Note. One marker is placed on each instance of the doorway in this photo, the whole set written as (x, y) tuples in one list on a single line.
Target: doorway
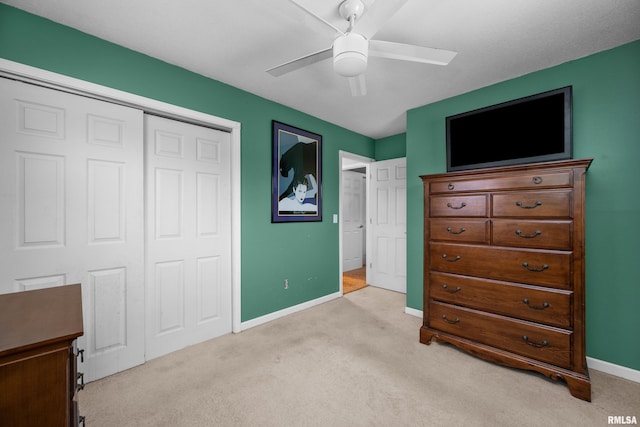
[(354, 170), (384, 226)]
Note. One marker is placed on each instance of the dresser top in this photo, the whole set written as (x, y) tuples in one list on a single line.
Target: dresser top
[(516, 168), (34, 318)]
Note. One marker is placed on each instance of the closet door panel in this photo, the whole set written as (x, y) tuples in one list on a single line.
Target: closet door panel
[(188, 239), (71, 210)]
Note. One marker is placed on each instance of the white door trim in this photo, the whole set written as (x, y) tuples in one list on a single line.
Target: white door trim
[(365, 160), (53, 80)]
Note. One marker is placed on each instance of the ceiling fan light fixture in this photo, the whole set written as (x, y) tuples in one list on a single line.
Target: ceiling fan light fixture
[(350, 53)]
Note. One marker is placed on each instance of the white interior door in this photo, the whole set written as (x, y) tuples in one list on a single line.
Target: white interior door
[(188, 234), (353, 219), (71, 211), (387, 265)]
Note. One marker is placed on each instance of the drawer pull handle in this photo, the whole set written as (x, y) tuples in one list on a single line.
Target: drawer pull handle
[(528, 236), (81, 354), (457, 258), (544, 343), (453, 322), (451, 186), (81, 420), (537, 180), (81, 378), (526, 265), (451, 291), (462, 230), (536, 307), (523, 206), (462, 205)]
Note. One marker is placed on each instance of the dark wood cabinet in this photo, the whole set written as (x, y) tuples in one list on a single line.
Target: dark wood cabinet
[(504, 266), (38, 366)]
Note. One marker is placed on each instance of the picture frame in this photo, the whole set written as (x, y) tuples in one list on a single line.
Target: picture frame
[(296, 174)]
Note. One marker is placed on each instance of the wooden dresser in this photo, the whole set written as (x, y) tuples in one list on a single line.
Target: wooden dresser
[(38, 369), (504, 267)]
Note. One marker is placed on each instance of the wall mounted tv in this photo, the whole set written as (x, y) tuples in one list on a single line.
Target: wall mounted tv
[(536, 128)]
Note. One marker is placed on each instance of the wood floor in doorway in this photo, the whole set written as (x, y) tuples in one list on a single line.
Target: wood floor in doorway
[(354, 280)]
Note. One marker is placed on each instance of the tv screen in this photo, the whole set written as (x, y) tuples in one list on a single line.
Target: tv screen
[(526, 130)]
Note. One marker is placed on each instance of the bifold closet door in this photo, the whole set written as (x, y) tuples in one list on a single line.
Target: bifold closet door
[(72, 211), (188, 236)]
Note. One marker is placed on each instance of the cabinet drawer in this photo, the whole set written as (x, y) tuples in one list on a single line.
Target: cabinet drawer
[(460, 230), (532, 204), (521, 181), (531, 234), (551, 345), (543, 305), (471, 206), (528, 266)]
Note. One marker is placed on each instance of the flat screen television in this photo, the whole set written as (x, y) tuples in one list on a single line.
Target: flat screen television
[(536, 128)]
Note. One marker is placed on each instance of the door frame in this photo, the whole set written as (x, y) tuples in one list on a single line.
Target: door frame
[(29, 74), (365, 161)]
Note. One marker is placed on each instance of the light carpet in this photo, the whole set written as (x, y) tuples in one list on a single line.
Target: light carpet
[(354, 361)]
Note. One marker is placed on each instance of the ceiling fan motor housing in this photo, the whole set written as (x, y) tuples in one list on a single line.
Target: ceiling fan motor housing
[(350, 53)]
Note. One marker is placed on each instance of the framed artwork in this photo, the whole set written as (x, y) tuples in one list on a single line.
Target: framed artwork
[(296, 176)]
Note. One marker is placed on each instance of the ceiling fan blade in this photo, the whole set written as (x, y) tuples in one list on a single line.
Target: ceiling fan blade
[(296, 64), (358, 85), (310, 13), (409, 52), (376, 15)]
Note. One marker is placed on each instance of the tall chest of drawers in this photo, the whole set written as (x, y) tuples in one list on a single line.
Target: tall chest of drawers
[(504, 267), (39, 378)]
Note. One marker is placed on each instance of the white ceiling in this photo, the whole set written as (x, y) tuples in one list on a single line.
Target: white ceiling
[(235, 41)]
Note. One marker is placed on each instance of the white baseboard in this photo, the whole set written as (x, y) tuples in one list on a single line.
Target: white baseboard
[(612, 369), (413, 312), (287, 311), (595, 364)]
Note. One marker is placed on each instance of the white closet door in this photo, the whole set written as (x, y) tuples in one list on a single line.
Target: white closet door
[(71, 211), (188, 234), (388, 190)]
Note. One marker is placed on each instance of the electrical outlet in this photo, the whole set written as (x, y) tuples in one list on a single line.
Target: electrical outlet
[(286, 283)]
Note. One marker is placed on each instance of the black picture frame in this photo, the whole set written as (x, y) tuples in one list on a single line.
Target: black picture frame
[(296, 174)]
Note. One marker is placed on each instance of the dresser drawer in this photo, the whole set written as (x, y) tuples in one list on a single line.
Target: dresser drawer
[(545, 343), (460, 230), (529, 266), (543, 305), (521, 181), (532, 204), (469, 206), (531, 234)]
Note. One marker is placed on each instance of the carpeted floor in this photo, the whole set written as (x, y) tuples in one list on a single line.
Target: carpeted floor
[(353, 280), (354, 361)]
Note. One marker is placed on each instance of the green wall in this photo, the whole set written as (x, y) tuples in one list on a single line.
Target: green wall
[(391, 147), (304, 253), (606, 127)]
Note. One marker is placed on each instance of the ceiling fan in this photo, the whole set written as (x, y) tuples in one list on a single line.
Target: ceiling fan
[(351, 48)]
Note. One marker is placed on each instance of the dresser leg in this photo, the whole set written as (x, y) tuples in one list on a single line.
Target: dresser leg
[(579, 387), (426, 336)]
